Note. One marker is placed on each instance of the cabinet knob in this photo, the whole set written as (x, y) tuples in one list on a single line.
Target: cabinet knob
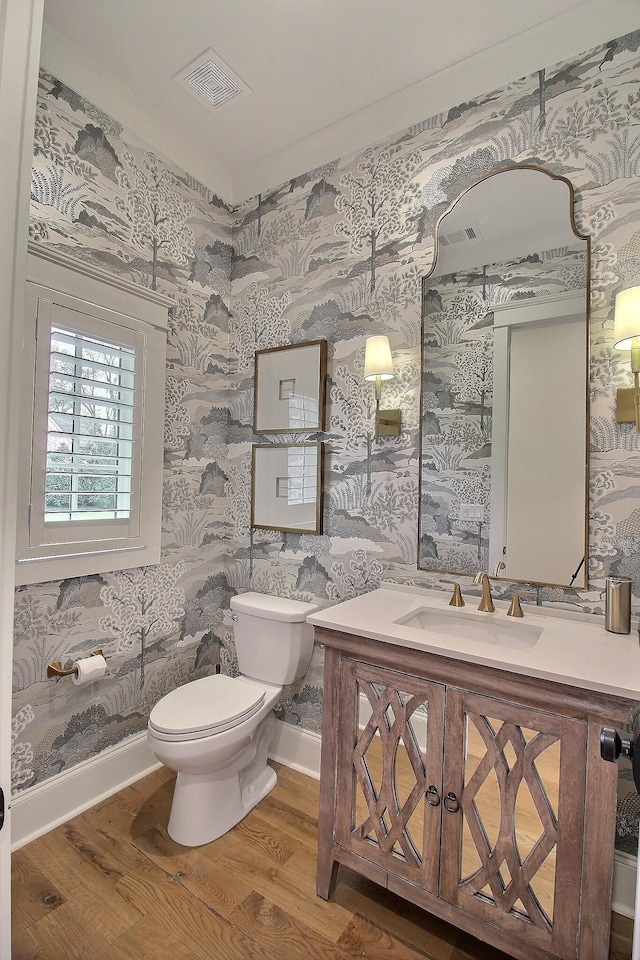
[(433, 797), (451, 803)]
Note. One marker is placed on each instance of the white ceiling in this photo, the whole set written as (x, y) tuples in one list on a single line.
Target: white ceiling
[(326, 77)]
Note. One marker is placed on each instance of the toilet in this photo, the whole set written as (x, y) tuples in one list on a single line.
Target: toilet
[(215, 732)]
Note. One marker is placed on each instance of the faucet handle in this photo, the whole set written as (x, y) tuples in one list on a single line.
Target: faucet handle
[(456, 599), (515, 610)]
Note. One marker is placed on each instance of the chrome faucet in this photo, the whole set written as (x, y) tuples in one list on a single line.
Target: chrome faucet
[(486, 603)]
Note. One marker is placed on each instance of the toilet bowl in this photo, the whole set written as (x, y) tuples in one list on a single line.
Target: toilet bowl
[(216, 731)]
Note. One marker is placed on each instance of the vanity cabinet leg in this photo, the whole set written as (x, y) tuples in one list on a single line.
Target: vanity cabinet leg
[(327, 867), (326, 877)]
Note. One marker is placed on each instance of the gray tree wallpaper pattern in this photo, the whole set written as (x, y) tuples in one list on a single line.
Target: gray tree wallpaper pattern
[(338, 254)]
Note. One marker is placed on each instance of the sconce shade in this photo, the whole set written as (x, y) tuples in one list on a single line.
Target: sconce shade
[(377, 359), (627, 318)]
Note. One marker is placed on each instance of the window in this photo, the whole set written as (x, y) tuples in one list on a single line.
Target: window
[(92, 432), (90, 405)]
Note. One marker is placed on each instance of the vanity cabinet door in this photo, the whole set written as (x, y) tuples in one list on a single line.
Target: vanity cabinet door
[(513, 818), (390, 747)]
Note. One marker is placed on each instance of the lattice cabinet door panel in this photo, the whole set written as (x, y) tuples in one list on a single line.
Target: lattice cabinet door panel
[(513, 818), (390, 770)]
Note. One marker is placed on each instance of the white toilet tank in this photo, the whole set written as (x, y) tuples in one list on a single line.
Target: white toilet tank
[(273, 641)]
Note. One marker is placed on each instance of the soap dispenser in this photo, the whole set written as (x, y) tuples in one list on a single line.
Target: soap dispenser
[(617, 610)]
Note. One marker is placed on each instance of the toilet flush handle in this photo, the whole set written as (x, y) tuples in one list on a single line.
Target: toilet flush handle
[(229, 618)]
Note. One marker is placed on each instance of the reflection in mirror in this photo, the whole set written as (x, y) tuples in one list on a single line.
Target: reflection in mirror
[(504, 822), (389, 772), (503, 463)]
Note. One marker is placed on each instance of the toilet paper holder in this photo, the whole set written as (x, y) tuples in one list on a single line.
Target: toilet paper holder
[(55, 671)]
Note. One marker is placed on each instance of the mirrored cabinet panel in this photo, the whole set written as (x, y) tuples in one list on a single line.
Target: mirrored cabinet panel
[(509, 855)]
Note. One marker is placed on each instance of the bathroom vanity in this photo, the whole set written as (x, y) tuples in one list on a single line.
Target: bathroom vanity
[(461, 764)]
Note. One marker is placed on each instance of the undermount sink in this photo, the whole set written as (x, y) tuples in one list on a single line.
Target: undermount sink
[(518, 635)]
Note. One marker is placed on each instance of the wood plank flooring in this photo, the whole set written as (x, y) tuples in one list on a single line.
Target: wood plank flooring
[(112, 885)]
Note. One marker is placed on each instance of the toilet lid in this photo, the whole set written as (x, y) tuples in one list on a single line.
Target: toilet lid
[(206, 705)]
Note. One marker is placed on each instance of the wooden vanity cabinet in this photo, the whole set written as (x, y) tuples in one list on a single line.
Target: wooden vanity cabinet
[(478, 794)]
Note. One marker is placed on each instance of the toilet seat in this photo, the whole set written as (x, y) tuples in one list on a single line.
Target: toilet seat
[(205, 707)]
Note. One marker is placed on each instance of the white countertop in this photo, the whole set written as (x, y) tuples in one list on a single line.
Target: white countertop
[(560, 646)]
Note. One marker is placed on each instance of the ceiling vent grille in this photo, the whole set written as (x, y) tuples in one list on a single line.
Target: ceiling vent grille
[(458, 236), (210, 81)]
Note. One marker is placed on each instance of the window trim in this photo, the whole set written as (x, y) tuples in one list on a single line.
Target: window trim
[(55, 278)]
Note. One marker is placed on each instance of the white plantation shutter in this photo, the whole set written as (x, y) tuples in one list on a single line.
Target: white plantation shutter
[(92, 433), (91, 408)]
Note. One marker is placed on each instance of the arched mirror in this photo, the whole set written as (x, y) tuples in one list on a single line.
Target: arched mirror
[(504, 410)]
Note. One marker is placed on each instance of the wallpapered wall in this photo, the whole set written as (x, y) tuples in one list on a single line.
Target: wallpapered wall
[(96, 191), (339, 253), (336, 254)]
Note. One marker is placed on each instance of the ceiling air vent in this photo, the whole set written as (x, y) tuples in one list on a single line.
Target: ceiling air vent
[(210, 81), (458, 236)]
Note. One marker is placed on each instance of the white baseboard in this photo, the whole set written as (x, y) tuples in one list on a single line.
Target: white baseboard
[(39, 809), (297, 748), (624, 884)]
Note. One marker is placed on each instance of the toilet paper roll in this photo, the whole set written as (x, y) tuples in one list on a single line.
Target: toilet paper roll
[(89, 669)]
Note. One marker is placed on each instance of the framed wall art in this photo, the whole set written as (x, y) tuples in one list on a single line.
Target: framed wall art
[(289, 388), (286, 487)]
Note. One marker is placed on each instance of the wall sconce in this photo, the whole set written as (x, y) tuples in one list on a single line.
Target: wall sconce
[(378, 366), (627, 337)]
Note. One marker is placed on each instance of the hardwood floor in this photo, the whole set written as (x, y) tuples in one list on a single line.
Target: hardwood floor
[(112, 885)]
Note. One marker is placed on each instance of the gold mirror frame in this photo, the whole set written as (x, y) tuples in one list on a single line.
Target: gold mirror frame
[(432, 275)]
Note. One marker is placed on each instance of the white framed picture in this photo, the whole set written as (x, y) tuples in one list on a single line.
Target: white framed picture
[(286, 488), (289, 388)]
